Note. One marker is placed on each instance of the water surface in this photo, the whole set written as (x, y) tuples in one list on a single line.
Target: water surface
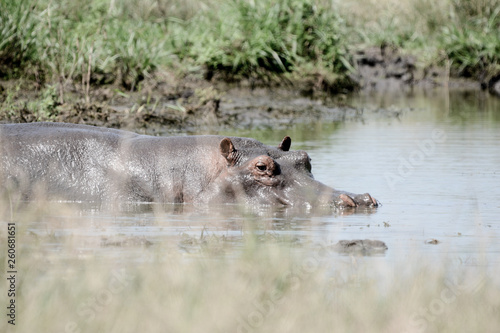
[(431, 159)]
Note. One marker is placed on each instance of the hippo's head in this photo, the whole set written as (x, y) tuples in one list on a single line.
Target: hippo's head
[(259, 174)]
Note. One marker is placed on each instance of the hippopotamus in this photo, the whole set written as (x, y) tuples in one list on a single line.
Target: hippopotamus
[(85, 163)]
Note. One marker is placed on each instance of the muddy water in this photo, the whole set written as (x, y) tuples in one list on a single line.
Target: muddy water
[(431, 158)]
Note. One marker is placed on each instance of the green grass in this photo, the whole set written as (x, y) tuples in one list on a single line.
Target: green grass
[(255, 38), (17, 37), (124, 42), (462, 33), (472, 43)]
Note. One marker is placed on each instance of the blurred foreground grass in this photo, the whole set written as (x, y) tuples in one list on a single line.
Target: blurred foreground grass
[(264, 286)]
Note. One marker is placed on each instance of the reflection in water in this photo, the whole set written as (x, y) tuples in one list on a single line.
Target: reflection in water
[(183, 226)]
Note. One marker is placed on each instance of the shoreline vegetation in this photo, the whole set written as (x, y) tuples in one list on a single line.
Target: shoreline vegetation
[(165, 60)]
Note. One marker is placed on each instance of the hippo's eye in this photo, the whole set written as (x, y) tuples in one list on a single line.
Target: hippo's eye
[(261, 166)]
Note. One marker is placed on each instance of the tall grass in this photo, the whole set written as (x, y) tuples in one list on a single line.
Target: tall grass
[(463, 33), (73, 43), (126, 41), (17, 36), (110, 47), (107, 41), (472, 41), (263, 36)]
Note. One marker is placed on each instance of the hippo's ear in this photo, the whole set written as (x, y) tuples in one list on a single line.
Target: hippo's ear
[(228, 151), (285, 144)]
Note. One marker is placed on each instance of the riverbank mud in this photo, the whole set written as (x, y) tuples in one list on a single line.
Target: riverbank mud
[(192, 102)]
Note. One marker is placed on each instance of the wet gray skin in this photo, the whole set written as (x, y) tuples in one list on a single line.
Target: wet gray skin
[(85, 163)]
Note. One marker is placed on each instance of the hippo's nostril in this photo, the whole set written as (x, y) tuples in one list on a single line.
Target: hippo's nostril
[(344, 200)]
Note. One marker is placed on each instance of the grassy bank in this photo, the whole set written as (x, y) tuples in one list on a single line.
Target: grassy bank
[(106, 41), (463, 35), (125, 42), (72, 49)]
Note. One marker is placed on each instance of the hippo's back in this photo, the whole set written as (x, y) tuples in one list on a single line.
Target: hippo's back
[(61, 158), (12, 133)]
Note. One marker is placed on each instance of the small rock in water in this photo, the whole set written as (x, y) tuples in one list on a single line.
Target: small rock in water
[(361, 246)]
